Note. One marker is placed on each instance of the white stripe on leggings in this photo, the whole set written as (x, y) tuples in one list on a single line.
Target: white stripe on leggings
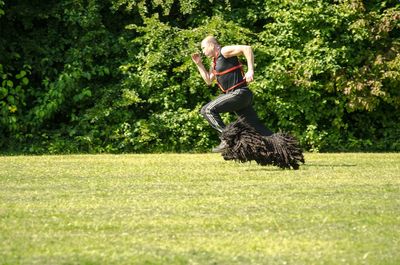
[(215, 102)]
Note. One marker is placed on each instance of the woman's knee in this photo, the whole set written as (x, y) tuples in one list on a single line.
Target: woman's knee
[(206, 110), (203, 110)]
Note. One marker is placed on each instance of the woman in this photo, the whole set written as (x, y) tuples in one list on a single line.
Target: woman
[(228, 72)]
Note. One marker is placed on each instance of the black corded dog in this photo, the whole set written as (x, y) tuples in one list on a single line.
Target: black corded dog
[(246, 144)]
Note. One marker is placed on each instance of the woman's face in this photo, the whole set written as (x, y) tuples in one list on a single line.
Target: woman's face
[(207, 49)]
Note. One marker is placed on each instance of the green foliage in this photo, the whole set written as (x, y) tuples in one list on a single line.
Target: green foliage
[(12, 101), (116, 75), (324, 62), (1, 8)]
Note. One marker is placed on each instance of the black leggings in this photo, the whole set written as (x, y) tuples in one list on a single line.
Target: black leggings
[(238, 101)]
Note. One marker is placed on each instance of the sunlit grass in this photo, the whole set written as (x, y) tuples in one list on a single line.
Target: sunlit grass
[(199, 209)]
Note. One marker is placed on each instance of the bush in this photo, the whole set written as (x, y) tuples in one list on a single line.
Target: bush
[(116, 76)]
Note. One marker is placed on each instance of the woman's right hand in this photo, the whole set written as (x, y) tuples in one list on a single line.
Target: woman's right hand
[(196, 58)]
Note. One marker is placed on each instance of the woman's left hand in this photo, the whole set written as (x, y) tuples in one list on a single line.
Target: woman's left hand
[(249, 76)]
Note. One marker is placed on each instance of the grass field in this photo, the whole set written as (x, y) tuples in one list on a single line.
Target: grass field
[(199, 209)]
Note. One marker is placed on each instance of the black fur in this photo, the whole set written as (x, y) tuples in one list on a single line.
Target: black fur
[(246, 144)]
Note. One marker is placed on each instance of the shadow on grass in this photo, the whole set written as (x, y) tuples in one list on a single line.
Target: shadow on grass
[(274, 169), (265, 168), (329, 165)]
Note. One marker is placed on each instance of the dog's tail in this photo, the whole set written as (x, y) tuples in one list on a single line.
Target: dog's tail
[(246, 144)]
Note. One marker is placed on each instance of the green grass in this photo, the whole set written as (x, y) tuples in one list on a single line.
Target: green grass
[(199, 209)]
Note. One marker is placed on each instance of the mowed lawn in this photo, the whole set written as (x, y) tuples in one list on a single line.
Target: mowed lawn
[(199, 209)]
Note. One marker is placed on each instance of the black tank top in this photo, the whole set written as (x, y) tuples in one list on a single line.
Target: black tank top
[(229, 79)]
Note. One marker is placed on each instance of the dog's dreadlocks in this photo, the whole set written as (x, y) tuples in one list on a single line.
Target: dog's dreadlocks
[(246, 144)]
